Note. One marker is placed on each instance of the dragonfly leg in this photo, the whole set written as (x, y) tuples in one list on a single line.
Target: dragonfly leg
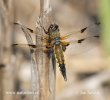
[(45, 31)]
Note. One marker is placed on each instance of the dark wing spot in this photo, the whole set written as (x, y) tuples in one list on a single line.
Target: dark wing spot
[(95, 19), (80, 41), (97, 23), (30, 30), (97, 36), (33, 46), (14, 44), (26, 27), (15, 23), (82, 31), (2, 65)]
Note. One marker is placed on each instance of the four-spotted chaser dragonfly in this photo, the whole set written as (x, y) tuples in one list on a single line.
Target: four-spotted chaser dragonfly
[(55, 42)]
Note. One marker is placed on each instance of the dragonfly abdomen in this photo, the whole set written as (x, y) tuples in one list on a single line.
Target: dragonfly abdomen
[(60, 58)]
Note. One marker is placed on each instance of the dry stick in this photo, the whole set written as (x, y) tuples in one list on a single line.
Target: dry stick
[(44, 62)]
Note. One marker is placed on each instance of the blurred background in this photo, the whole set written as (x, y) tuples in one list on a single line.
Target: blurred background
[(87, 63)]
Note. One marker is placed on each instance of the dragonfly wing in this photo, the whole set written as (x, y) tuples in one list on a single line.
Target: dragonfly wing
[(32, 46), (82, 31), (68, 35), (82, 40), (26, 33), (25, 45), (16, 23), (82, 46)]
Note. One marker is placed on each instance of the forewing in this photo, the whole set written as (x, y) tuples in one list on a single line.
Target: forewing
[(26, 33), (80, 32)]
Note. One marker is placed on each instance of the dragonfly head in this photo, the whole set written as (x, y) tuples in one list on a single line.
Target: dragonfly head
[(53, 28)]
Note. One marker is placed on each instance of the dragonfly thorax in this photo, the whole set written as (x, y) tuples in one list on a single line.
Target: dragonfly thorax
[(57, 41)]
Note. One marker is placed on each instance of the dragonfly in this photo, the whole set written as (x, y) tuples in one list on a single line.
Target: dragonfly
[(55, 42)]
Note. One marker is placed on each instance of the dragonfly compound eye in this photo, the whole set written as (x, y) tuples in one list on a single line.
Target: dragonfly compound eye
[(53, 27)]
